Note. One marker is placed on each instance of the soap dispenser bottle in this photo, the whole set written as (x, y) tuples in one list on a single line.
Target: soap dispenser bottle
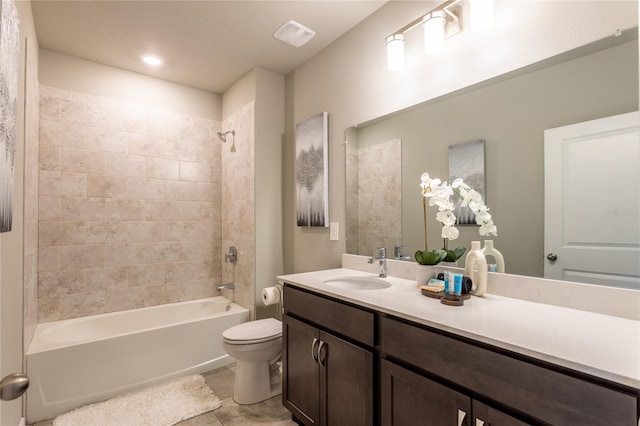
[(475, 267), (490, 250)]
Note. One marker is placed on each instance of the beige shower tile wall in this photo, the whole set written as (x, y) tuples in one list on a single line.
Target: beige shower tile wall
[(32, 102), (379, 197), (352, 199), (129, 206), (238, 204)]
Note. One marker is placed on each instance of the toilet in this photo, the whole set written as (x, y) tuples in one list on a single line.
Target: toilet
[(257, 348)]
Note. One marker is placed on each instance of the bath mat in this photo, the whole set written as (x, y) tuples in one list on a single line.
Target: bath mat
[(164, 404)]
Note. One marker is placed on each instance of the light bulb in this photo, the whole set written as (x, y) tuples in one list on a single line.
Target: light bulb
[(395, 52), (433, 25)]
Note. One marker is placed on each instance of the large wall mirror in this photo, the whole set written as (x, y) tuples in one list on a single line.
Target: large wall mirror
[(386, 156)]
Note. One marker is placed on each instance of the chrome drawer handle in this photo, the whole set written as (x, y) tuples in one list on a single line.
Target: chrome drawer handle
[(461, 416), (321, 358), (314, 354)]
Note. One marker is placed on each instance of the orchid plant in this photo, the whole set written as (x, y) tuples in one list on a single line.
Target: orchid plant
[(439, 194)]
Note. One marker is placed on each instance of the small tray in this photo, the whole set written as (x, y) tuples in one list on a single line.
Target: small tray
[(431, 294), (452, 301)]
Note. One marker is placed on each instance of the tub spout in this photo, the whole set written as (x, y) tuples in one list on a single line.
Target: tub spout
[(228, 286)]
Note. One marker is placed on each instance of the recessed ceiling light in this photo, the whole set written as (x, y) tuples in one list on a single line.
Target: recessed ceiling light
[(152, 60), (294, 34)]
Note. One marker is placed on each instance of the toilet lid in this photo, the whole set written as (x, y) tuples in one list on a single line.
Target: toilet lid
[(260, 330)]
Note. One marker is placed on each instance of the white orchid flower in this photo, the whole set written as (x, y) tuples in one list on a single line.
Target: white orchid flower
[(450, 232), (482, 209), (488, 229), (472, 195), (439, 194), (446, 217), (444, 204), (460, 185)]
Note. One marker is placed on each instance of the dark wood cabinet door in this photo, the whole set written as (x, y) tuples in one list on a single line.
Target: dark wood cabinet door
[(346, 383), (301, 386), (484, 415), (409, 399)]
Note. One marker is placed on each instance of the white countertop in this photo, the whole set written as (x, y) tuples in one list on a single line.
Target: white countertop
[(601, 345)]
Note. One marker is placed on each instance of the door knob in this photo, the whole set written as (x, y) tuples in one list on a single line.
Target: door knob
[(552, 257), (13, 386)]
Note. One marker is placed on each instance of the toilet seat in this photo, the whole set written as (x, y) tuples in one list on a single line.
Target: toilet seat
[(253, 332)]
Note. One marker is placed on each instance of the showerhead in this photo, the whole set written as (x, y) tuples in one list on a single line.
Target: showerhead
[(223, 136)]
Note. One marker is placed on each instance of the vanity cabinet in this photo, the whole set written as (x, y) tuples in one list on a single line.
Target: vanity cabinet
[(486, 378), (346, 365), (408, 398), (327, 360)]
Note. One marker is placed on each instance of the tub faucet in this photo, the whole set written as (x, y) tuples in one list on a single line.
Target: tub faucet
[(231, 255), (228, 286), (382, 257)]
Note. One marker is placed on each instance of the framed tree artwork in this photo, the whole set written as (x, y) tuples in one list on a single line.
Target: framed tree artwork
[(466, 161), (312, 171), (9, 54)]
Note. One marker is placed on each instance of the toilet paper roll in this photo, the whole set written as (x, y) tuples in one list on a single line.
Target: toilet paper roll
[(270, 295)]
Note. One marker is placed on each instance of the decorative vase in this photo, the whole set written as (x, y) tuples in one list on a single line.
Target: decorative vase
[(490, 250), (424, 273), (476, 269)]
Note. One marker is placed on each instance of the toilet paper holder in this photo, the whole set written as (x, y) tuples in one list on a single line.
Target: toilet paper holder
[(273, 296)]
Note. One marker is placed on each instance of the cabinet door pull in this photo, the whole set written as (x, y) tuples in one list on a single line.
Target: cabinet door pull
[(321, 358), (479, 422), (314, 354), (461, 416)]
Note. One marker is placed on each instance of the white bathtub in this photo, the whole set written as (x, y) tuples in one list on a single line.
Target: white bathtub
[(79, 361)]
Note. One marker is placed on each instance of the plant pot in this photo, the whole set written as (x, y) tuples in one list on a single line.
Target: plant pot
[(424, 273)]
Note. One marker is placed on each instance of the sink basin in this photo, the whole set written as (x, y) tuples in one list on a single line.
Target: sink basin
[(357, 283)]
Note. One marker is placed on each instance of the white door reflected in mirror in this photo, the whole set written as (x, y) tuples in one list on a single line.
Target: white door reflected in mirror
[(597, 161)]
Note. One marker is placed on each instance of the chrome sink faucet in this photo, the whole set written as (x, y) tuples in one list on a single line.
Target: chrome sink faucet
[(382, 257), (397, 253)]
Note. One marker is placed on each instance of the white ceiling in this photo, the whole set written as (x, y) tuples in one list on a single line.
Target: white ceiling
[(205, 44)]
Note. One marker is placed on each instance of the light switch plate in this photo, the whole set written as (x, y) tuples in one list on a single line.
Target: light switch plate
[(334, 232)]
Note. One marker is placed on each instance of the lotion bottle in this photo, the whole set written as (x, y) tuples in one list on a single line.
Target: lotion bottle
[(476, 269), (490, 250)]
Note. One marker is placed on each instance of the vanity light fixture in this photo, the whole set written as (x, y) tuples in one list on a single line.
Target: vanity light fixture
[(152, 60), (438, 24), (395, 52), (434, 24)]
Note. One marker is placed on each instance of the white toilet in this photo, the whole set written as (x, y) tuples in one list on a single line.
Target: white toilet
[(257, 348)]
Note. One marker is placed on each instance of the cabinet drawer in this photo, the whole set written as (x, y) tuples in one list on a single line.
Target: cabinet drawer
[(347, 320), (543, 393)]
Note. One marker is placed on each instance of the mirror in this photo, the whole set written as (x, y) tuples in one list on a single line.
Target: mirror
[(510, 113)]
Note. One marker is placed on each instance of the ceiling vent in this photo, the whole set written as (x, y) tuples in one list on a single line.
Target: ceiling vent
[(294, 34)]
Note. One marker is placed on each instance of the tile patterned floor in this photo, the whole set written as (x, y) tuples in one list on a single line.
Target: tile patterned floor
[(267, 413)]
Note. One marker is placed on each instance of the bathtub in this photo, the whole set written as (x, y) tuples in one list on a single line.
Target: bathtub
[(79, 361)]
